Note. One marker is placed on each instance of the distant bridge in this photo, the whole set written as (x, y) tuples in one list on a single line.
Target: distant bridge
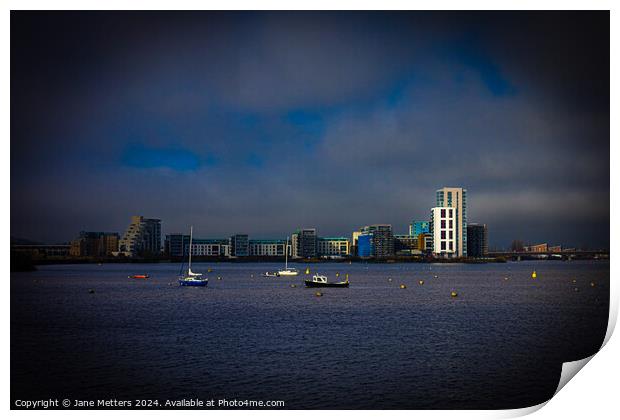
[(567, 254)]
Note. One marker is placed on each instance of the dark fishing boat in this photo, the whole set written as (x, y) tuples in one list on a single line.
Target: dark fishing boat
[(321, 281)]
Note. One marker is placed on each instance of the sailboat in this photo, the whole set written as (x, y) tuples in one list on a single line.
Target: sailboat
[(287, 271), (191, 278)]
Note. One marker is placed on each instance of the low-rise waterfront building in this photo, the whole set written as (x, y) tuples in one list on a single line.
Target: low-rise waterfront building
[(477, 240), (405, 244), (333, 247), (354, 237), (208, 247), (536, 248), (41, 251), (365, 247), (267, 247), (419, 226), (425, 242), (94, 244)]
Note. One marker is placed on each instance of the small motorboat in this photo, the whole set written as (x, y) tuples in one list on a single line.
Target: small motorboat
[(269, 274), (139, 276), (321, 281)]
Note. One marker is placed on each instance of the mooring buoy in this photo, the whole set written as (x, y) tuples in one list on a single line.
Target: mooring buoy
[(421, 282), (403, 286), (454, 294), (318, 294)]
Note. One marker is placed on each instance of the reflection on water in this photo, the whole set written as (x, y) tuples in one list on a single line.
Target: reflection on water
[(498, 344)]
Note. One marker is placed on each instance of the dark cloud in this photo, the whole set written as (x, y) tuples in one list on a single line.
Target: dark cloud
[(264, 122)]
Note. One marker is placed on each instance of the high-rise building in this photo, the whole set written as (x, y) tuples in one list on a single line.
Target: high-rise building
[(333, 247), (477, 240), (456, 198), (305, 243), (444, 231), (239, 246), (382, 240), (417, 227), (142, 238), (94, 244)]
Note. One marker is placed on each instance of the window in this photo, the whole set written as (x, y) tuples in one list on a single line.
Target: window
[(450, 224), (443, 224), (443, 234), (443, 245), (443, 212), (450, 213), (450, 235)]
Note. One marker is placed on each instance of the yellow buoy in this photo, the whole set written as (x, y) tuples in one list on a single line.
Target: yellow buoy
[(318, 294), (421, 282), (403, 286), (208, 270), (337, 274), (307, 270), (454, 294), (534, 274)]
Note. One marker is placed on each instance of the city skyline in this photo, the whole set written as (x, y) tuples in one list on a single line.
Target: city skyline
[(258, 123)]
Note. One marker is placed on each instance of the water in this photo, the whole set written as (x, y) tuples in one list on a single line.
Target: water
[(499, 344)]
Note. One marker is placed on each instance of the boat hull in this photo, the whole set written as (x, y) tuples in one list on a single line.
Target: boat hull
[(287, 273), (310, 283), (193, 283)]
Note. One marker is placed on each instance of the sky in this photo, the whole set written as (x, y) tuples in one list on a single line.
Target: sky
[(265, 122)]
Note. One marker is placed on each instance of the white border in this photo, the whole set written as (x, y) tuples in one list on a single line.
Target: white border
[(592, 395)]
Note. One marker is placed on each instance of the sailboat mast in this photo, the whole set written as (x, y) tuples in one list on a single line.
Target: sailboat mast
[(286, 255), (191, 234)]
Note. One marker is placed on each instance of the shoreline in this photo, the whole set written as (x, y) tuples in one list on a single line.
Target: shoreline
[(30, 264)]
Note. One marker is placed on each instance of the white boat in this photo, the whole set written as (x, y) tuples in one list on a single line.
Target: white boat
[(288, 271), (191, 278)]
